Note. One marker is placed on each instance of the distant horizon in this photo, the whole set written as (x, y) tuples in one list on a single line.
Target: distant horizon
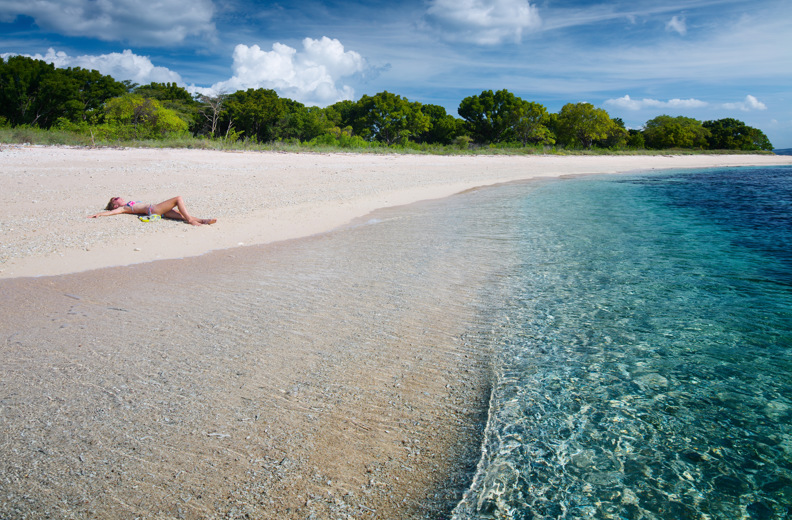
[(705, 59)]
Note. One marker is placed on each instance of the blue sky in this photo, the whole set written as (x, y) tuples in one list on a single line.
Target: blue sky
[(706, 59)]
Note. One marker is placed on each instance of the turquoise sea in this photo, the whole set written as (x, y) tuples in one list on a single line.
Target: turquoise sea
[(641, 331)]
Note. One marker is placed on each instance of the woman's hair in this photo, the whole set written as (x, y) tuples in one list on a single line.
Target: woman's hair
[(110, 204)]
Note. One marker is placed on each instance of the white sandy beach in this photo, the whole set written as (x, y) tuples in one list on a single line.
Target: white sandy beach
[(256, 197)]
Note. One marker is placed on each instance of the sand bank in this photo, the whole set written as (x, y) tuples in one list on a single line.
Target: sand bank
[(257, 197)]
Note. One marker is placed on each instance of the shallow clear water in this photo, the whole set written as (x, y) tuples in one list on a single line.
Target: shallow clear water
[(643, 341)]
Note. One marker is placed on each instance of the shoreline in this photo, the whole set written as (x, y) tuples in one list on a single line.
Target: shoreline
[(258, 197)]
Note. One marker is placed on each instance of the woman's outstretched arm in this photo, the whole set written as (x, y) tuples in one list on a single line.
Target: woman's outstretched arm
[(117, 211)]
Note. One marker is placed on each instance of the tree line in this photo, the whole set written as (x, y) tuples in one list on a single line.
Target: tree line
[(37, 94)]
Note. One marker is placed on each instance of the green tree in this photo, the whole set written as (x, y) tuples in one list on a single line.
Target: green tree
[(493, 117), (175, 98), (731, 134), (675, 132), (583, 124), (301, 122), (33, 92), (616, 137), (341, 114), (90, 90), (529, 122), (137, 117), (256, 112), (488, 115), (635, 139), (389, 118), (443, 127), (165, 92), (759, 139), (30, 94)]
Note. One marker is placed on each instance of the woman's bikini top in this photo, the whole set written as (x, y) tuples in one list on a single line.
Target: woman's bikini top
[(131, 203)]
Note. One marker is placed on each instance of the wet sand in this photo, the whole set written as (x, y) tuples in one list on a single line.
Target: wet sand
[(327, 377)]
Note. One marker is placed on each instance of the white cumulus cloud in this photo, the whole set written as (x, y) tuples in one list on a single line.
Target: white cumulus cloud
[(310, 76), (120, 65), (639, 104), (164, 22), (677, 25), (484, 22), (746, 105)]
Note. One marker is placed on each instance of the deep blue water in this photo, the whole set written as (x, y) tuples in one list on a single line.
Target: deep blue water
[(642, 335)]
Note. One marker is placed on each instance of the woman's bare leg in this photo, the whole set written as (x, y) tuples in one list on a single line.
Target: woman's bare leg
[(175, 208), (175, 215)]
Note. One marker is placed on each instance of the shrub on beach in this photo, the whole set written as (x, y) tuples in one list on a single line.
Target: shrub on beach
[(135, 117), (341, 140)]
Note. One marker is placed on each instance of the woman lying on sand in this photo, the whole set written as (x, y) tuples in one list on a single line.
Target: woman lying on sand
[(172, 208)]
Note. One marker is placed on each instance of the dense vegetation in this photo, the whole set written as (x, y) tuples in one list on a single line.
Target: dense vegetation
[(35, 95)]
